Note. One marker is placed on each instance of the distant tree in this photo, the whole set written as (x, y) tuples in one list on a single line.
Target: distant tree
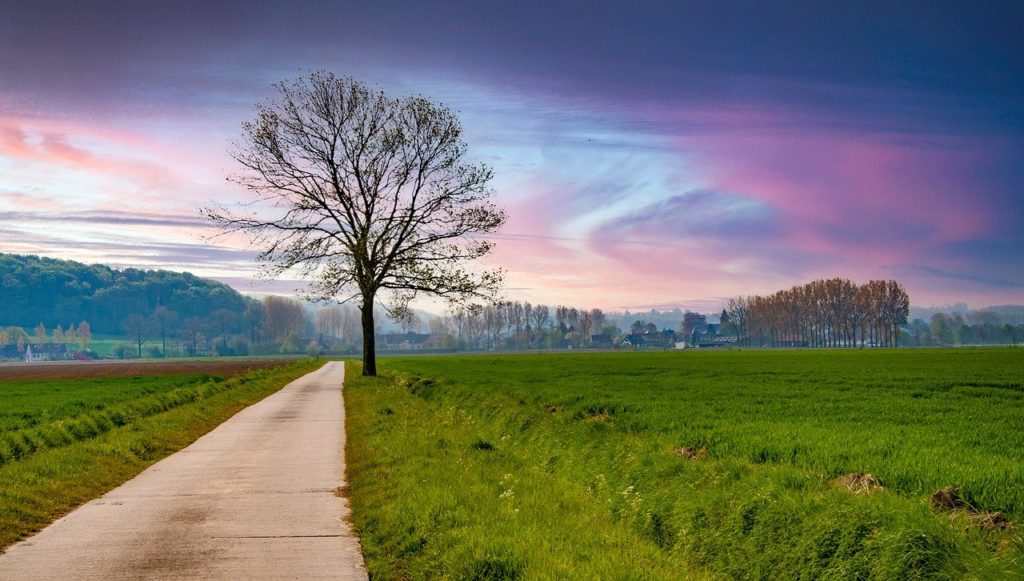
[(1011, 333), (375, 196), (350, 325), (585, 326), (539, 319), (282, 316), (163, 320), (138, 329), (561, 318), (690, 321), (328, 323), (40, 335), (609, 328), (291, 344), (408, 321), (725, 320), (254, 318), (84, 335), (224, 321), (941, 329), (191, 330), (737, 308), (58, 334), (919, 333), (494, 320)]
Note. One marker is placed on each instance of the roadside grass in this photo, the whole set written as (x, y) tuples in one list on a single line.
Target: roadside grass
[(64, 443), (676, 465)]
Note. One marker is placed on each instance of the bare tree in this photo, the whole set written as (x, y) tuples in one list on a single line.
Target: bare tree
[(540, 320), (366, 194), (163, 320), (138, 329), (254, 319), (191, 331), (282, 316)]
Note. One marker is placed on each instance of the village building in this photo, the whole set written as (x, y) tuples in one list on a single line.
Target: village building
[(35, 353), (709, 335), (404, 341), (645, 338)]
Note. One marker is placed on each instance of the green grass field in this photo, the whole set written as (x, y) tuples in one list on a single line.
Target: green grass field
[(64, 442), (669, 465)]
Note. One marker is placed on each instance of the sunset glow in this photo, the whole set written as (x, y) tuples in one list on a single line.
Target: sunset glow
[(647, 157)]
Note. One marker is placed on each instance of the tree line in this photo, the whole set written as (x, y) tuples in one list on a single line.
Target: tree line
[(824, 313), (271, 325), (521, 325), (79, 335), (980, 327)]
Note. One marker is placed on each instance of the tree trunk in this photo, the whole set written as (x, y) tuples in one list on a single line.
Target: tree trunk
[(369, 341)]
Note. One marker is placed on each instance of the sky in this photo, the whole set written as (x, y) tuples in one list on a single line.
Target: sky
[(649, 154)]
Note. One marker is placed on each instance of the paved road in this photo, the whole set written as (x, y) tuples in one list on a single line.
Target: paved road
[(253, 499)]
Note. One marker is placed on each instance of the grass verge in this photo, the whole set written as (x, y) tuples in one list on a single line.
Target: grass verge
[(75, 458), (577, 467)]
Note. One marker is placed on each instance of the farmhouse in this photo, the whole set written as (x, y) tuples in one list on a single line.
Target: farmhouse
[(657, 340), (12, 351), (47, 352), (709, 335)]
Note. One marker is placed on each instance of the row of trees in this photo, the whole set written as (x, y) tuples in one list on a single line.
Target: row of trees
[(272, 325), (824, 313), (521, 325), (79, 335), (977, 328)]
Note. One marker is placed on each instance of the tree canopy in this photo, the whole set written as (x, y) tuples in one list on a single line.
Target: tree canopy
[(367, 195)]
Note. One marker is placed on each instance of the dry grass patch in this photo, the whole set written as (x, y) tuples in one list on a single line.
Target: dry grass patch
[(860, 482), (947, 498), (691, 453)]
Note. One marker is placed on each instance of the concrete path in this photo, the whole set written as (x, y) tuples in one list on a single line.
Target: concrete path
[(253, 499)]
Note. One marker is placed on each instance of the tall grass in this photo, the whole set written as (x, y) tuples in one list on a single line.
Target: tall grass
[(591, 448)]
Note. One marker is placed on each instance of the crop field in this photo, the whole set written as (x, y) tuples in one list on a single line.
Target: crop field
[(70, 432), (752, 464), (225, 367)]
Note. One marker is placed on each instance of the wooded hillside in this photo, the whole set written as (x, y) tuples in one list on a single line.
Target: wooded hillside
[(37, 290)]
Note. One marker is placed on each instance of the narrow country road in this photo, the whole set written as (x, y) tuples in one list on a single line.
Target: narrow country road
[(253, 499)]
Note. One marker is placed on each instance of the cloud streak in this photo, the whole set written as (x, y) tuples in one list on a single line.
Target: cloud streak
[(646, 154)]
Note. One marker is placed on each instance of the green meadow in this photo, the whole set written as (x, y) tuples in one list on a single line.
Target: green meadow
[(64, 442), (747, 464)]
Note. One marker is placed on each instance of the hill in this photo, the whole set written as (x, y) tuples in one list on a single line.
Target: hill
[(37, 290)]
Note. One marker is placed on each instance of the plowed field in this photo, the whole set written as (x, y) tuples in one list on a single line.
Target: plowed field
[(94, 369)]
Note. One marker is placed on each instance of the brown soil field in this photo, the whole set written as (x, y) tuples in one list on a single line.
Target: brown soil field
[(92, 369)]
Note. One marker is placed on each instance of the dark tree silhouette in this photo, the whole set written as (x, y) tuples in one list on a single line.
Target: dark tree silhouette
[(366, 194)]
